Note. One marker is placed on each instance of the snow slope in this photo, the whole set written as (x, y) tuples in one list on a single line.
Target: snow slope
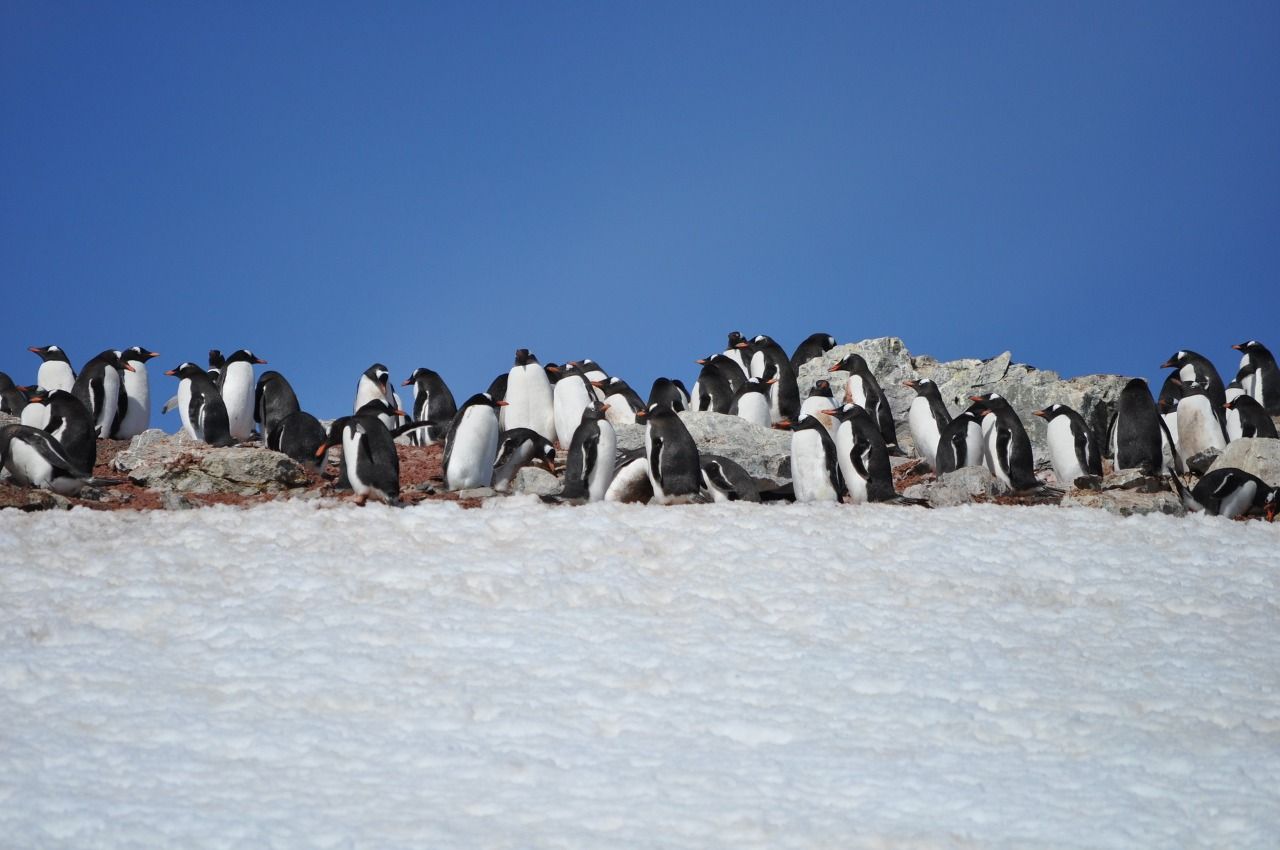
[(296, 675)]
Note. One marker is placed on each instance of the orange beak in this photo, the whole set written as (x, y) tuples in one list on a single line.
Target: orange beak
[(976, 398), (171, 372), (324, 447), (741, 345), (260, 361), (502, 403), (407, 382), (911, 384), (598, 384), (1039, 413), (33, 349), (1236, 347), (153, 354), (830, 412)]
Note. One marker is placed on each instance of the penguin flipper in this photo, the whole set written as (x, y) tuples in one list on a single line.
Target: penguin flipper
[(1002, 450), (169, 405)]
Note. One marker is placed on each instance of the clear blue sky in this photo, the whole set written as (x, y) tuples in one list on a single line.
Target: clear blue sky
[(1092, 185)]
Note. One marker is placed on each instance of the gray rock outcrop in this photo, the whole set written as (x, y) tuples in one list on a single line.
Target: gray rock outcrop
[(1259, 456), (958, 488), (177, 463), (762, 452)]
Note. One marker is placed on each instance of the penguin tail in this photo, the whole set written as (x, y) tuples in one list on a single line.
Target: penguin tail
[(1180, 490), (411, 426)]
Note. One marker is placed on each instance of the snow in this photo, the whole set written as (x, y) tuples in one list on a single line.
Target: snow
[(731, 675)]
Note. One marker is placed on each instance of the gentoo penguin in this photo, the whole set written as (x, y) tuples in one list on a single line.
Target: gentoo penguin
[(1167, 407), (685, 398), (1229, 492), (61, 415), (530, 403), (1199, 429), (674, 465), (369, 460), (595, 375), (752, 402), (12, 397), (1135, 437), (927, 418), (623, 401), (1073, 450), (1007, 443), (98, 389), (36, 459), (784, 393), (55, 369), (814, 345), (730, 370), (298, 435), (1231, 427), (133, 413), (864, 390), (518, 448), (216, 362), (204, 416), (960, 443), (1263, 376), (711, 391), (571, 396), (815, 472), (736, 351), (379, 409), (1252, 418), (236, 384), (273, 400), (1195, 368), (665, 391), (471, 446), (373, 384), (433, 402), (818, 402), (863, 456), (589, 466), (631, 482), (726, 481)]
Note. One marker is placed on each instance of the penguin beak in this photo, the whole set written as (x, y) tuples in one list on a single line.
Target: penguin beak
[(988, 412), (1270, 512), (172, 372), (740, 345), (1227, 406), (1176, 381), (551, 367), (406, 382), (1168, 364), (772, 381), (399, 412), (641, 414), (35, 350), (502, 403), (911, 384), (1236, 347), (153, 354), (546, 464), (835, 368), (36, 399), (830, 412), (259, 361), (783, 424), (598, 384), (702, 362), (324, 447), (976, 398), (127, 367), (1039, 413)]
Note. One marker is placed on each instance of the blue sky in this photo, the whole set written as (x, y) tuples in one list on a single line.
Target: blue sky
[(1091, 185)]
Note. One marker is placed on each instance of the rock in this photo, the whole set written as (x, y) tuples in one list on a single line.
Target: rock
[(1133, 479), (959, 487), (1204, 461), (31, 498), (535, 481), (1126, 502), (476, 492), (762, 452), (178, 463), (171, 501), (1259, 456)]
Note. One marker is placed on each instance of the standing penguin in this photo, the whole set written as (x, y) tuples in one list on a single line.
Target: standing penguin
[(133, 413), (770, 362), (815, 472), (36, 459), (433, 402), (61, 415), (1262, 380), (1195, 368), (818, 402), (1073, 450), (98, 389), (1135, 431), (298, 435), (471, 446), (711, 391), (752, 403), (814, 345), (589, 469), (665, 391), (1231, 493), (373, 384), (236, 384), (386, 414), (216, 362), (960, 443), (927, 418), (273, 400), (518, 448), (736, 349), (1007, 444), (674, 465), (530, 403), (369, 460), (1252, 418), (55, 369), (1167, 407), (572, 396), (1199, 429), (730, 370), (623, 401), (13, 399), (863, 456), (204, 416), (864, 390)]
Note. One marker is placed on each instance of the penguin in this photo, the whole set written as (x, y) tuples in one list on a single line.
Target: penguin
[(1007, 444), (752, 403), (736, 351), (864, 390), (236, 385), (1232, 429), (711, 391), (98, 389), (631, 482), (623, 401), (518, 448), (1263, 383), (1135, 437), (1195, 368), (369, 460), (273, 400), (379, 409), (471, 445), (589, 469), (1167, 407), (814, 345), (730, 370), (298, 435), (216, 362), (1252, 418), (1073, 449), (55, 369), (595, 375), (927, 418), (665, 391), (1229, 492), (960, 443), (1199, 429), (13, 399), (530, 402), (133, 412), (571, 396), (726, 481), (674, 465), (863, 456), (815, 472), (204, 416), (432, 402), (818, 402), (372, 385), (61, 415), (784, 392), (36, 459)]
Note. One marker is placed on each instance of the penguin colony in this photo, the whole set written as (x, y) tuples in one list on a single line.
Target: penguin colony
[(842, 437)]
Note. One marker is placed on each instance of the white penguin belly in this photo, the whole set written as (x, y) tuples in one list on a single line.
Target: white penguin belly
[(570, 399), (855, 391), (36, 415), (1234, 429), (991, 436), (475, 447), (620, 412), (1062, 452), (754, 407), (814, 405), (626, 480), (27, 466), (854, 484), (55, 375), (367, 390), (529, 401), (137, 415), (237, 395), (602, 474), (1238, 502), (809, 478), (924, 430), (1198, 428), (110, 401), (350, 456)]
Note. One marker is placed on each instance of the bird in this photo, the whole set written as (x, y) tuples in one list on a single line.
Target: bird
[(1073, 449)]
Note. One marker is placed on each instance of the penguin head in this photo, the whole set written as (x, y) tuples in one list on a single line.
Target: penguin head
[(1181, 358), (378, 407), (378, 374), (854, 364), (737, 340), (216, 360), (597, 410), (656, 412), (112, 358), (185, 370), (428, 377), (1251, 346), (244, 355), (498, 388), (138, 354), (483, 400), (590, 367), (1051, 412), (846, 412), (334, 437), (921, 385), (49, 353), (821, 389), (755, 385), (524, 357)]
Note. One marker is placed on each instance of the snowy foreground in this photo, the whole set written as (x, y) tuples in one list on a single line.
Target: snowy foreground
[(296, 675)]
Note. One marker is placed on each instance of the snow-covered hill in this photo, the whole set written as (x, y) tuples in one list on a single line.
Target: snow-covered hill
[(299, 675)]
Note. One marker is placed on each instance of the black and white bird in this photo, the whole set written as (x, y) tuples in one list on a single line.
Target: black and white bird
[(1200, 429), (820, 399), (35, 458), (1229, 492), (815, 471), (1136, 431), (1008, 448), (960, 444), (1196, 369), (631, 482), (518, 448), (589, 463), (665, 391), (1251, 418), (369, 461), (862, 389), (64, 417), (471, 444), (814, 345), (1073, 449), (298, 435), (432, 402), (571, 395), (530, 403), (927, 418), (55, 369), (98, 388), (204, 416), (273, 401), (863, 456), (624, 402), (13, 398), (729, 369), (770, 362), (712, 390), (236, 384), (674, 467), (751, 402), (1261, 376), (726, 481), (133, 411)]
